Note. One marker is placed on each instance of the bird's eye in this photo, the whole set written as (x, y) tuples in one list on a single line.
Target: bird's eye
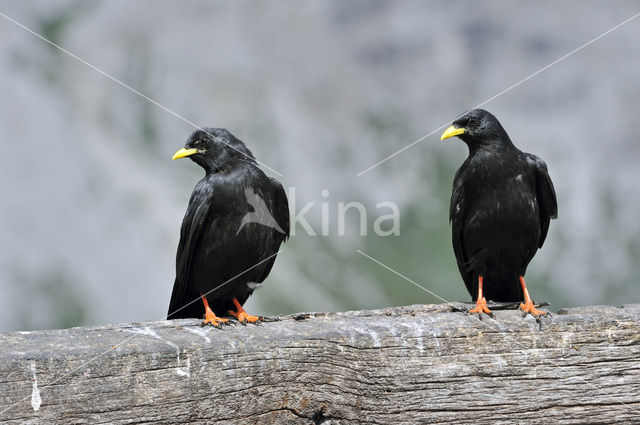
[(471, 121)]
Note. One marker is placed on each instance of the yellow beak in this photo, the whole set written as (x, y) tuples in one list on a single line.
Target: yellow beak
[(184, 152), (451, 131)]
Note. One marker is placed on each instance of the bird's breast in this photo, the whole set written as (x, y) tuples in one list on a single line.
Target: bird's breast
[(504, 202)]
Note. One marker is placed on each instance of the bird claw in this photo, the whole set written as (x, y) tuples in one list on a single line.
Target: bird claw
[(529, 308), (245, 321), (216, 325), (215, 321), (481, 307), (210, 317), (490, 314), (243, 318)]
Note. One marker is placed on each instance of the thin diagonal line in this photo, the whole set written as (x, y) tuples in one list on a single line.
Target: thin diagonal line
[(222, 284), (481, 321), (502, 92), (134, 336), (411, 281), (175, 114), (147, 98)]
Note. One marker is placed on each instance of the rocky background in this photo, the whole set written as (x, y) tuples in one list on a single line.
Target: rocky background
[(320, 91)]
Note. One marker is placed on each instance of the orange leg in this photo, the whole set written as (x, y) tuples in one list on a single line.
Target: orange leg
[(481, 302), (242, 315), (210, 317), (528, 307)]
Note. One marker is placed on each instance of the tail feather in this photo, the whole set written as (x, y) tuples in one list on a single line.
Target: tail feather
[(184, 307)]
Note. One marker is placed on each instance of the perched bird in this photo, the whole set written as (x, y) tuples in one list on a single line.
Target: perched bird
[(235, 222), (501, 205)]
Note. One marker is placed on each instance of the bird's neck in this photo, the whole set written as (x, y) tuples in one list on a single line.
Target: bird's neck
[(214, 167), (501, 145)]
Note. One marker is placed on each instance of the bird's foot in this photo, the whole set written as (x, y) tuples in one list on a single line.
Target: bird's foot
[(245, 318), (481, 307), (242, 315), (210, 317), (213, 320), (529, 308)]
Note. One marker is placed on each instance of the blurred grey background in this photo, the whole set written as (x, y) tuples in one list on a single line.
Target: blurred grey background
[(92, 204)]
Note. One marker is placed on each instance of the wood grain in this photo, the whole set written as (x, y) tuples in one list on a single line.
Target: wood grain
[(407, 365)]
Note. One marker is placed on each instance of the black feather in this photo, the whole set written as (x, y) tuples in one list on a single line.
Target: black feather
[(219, 254), (501, 205)]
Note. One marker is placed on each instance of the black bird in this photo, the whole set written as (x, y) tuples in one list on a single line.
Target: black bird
[(235, 222), (501, 205)]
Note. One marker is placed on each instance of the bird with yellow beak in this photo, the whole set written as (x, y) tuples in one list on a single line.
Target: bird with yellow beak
[(224, 255), (501, 205)]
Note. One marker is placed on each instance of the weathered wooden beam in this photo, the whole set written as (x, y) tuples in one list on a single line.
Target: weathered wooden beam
[(416, 364)]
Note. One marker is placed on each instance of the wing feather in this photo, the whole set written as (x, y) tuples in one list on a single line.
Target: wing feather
[(456, 217), (546, 195), (190, 234)]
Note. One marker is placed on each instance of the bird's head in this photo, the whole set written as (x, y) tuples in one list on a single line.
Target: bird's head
[(212, 148), (477, 127)]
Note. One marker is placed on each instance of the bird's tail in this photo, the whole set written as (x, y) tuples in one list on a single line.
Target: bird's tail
[(182, 306)]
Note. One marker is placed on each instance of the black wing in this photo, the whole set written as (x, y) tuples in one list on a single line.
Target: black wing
[(281, 208), (190, 234), (253, 250), (280, 211), (457, 217), (546, 195)]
